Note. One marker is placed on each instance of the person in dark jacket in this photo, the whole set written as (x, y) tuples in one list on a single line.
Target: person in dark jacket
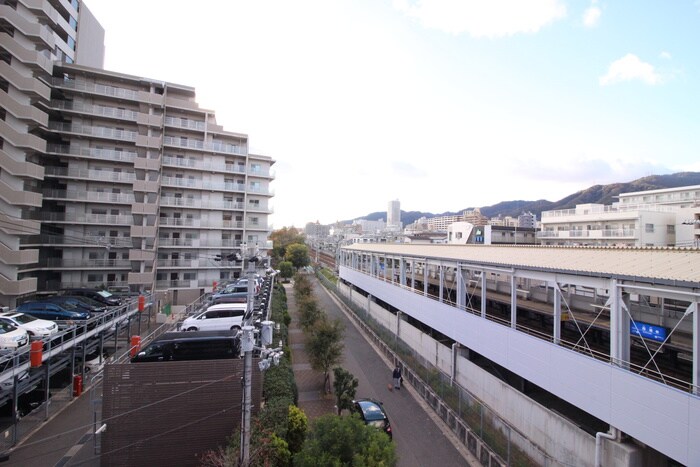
[(397, 377)]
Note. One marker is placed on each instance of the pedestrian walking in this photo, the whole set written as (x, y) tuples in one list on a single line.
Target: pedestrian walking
[(397, 377)]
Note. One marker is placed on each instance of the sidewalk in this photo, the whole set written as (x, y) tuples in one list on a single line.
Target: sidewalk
[(312, 399)]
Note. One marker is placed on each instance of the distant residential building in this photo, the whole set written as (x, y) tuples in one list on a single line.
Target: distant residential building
[(648, 218), (527, 220), (464, 233), (316, 230), (370, 226), (425, 238)]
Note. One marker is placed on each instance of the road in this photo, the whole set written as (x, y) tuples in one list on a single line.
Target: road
[(420, 440)]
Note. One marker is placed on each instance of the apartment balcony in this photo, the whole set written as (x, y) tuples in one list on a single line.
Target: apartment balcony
[(261, 191), (183, 104), (97, 89), (11, 195), (260, 209), (36, 32), (92, 153), (9, 287), (185, 123), (179, 263), (35, 60), (606, 234), (17, 257), (142, 255), (21, 140), (78, 107), (144, 119), (256, 226), (29, 85), (94, 131), (91, 175), (89, 196), (144, 231), (230, 224), (188, 242), (147, 186), (140, 278), (198, 243), (20, 168), (78, 241), (144, 163), (144, 141), (214, 146), (97, 219), (171, 201), (178, 222), (14, 226), (203, 166), (27, 113), (146, 209), (86, 264)]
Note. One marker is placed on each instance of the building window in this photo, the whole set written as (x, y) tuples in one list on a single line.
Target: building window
[(95, 277), (649, 228), (670, 229)]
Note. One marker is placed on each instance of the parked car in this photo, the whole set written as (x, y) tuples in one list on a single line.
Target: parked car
[(12, 337), (178, 346), (235, 297), (372, 413), (101, 296), (53, 311), (222, 317), (95, 362), (82, 303), (34, 326)]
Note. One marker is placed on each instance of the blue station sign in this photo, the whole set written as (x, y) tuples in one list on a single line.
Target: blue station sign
[(648, 331)]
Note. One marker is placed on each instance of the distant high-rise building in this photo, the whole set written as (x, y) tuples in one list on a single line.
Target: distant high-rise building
[(393, 215)]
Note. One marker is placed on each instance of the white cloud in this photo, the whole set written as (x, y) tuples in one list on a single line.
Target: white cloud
[(591, 17), (665, 55), (484, 18), (629, 68)]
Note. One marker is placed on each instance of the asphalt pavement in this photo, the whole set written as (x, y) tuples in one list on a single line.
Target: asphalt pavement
[(421, 438)]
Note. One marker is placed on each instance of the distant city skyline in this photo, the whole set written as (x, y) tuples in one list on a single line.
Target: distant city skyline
[(439, 104)]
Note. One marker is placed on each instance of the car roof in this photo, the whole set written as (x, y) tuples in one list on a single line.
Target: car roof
[(371, 409), (185, 335), (227, 306)]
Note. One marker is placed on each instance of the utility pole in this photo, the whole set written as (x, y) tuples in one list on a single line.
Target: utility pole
[(247, 345)]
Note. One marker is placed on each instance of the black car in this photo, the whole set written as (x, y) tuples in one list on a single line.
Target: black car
[(80, 302), (182, 345), (372, 413), (101, 296)]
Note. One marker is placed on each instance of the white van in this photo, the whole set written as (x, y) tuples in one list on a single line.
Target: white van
[(221, 317)]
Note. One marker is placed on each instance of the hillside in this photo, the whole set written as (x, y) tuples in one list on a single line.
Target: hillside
[(601, 194)]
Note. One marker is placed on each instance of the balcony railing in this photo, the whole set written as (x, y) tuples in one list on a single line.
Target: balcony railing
[(104, 219), (84, 263), (185, 123), (214, 146), (95, 109), (109, 154), (610, 209), (102, 175), (102, 89), (89, 196), (76, 240), (597, 234), (113, 133)]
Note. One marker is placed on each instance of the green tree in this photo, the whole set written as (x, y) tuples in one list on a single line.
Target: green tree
[(297, 254), (345, 441), (286, 269), (282, 238), (302, 286), (325, 347), (297, 427), (309, 312), (344, 386)]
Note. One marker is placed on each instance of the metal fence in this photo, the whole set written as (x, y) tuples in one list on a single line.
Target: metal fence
[(487, 436)]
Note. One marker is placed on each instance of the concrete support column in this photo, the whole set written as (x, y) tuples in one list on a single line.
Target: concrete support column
[(483, 294), (425, 278), (402, 272), (513, 302), (413, 274), (557, 314), (455, 354), (441, 270), (398, 327), (461, 294), (619, 327), (369, 302), (696, 349)]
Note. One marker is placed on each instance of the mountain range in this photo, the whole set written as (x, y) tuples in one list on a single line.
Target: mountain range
[(600, 194)]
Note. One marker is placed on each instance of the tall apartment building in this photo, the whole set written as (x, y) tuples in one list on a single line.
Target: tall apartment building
[(109, 179)]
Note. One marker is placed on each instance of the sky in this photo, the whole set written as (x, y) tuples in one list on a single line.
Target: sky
[(441, 104)]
